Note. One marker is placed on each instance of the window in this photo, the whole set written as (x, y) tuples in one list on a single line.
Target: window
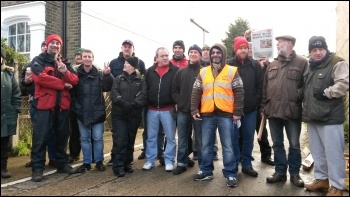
[(19, 38)]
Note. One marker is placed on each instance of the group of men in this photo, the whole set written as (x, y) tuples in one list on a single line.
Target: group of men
[(227, 95)]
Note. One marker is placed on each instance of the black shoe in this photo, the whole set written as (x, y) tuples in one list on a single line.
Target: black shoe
[(250, 172), (161, 161), (202, 177), (100, 166), (276, 178), (110, 162), (160, 156), (179, 170), (296, 180), (128, 169), (119, 172), (83, 168), (190, 163), (268, 161), (5, 174), (142, 156), (52, 162), (28, 164), (216, 156), (37, 176), (73, 159), (66, 169), (231, 181)]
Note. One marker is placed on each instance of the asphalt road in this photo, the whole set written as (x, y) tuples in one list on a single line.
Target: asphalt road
[(155, 182)]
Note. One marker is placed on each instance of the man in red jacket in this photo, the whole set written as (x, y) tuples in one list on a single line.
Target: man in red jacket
[(53, 78)]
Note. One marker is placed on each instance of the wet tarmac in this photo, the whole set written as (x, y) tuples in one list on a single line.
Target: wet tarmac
[(155, 182)]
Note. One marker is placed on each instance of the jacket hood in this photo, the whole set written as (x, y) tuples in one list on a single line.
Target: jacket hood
[(223, 49)]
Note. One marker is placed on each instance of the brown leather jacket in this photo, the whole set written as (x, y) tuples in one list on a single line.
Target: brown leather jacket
[(283, 88)]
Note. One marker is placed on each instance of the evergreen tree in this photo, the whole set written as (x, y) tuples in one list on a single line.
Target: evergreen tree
[(234, 30)]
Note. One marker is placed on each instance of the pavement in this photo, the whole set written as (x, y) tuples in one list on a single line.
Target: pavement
[(155, 182)]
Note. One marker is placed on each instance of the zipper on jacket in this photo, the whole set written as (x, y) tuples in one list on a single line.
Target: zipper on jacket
[(160, 82)]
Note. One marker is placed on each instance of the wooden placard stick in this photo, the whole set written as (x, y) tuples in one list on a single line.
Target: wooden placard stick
[(261, 128)]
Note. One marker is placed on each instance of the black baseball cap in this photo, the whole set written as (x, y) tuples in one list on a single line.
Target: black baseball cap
[(128, 41)]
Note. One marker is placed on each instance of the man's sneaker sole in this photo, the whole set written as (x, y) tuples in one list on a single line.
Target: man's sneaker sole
[(152, 166), (231, 183), (209, 177)]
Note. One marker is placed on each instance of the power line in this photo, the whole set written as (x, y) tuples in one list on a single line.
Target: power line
[(110, 23)]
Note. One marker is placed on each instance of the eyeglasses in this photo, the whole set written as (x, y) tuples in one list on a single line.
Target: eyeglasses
[(217, 52)]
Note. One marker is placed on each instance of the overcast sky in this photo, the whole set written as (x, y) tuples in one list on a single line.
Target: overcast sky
[(153, 24)]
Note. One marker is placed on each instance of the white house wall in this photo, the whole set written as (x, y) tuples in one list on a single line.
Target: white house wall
[(34, 14)]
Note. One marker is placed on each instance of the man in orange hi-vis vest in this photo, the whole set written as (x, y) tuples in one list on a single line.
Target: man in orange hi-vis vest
[(217, 100)]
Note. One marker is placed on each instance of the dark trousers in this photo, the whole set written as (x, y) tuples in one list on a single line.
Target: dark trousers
[(124, 134), (74, 137), (51, 142), (54, 122), (4, 151), (265, 148)]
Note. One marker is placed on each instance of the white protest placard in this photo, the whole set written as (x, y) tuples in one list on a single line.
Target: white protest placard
[(262, 44)]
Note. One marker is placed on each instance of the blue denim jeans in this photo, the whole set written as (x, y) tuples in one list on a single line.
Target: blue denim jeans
[(161, 135), (154, 119), (293, 129), (96, 132), (225, 127), (185, 121), (248, 123)]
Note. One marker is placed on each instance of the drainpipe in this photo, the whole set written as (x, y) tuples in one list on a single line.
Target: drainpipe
[(64, 28)]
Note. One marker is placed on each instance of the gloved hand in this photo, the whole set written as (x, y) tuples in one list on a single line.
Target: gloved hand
[(121, 102), (134, 104), (173, 112), (127, 107), (320, 95)]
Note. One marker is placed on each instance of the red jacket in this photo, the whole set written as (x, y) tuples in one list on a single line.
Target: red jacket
[(49, 83), (183, 62)]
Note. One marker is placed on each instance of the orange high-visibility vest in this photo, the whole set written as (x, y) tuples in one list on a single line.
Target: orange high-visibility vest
[(217, 91)]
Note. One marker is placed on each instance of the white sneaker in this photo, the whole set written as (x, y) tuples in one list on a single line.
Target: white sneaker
[(169, 167), (147, 166)]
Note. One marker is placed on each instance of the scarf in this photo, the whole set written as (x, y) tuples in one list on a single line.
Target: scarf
[(216, 69), (313, 64)]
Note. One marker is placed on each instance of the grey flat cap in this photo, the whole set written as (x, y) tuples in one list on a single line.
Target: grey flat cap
[(287, 37)]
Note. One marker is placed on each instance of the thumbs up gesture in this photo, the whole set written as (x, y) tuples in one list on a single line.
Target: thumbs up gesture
[(106, 69), (61, 67)]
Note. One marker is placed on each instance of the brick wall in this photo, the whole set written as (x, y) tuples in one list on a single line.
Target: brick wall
[(9, 3), (73, 28), (54, 24), (53, 17)]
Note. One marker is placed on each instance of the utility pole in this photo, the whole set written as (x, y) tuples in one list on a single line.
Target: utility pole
[(204, 31)]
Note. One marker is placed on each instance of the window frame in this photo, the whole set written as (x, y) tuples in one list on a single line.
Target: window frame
[(22, 47)]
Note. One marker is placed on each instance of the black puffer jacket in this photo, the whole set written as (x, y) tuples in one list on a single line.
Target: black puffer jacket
[(128, 88), (89, 102), (252, 76)]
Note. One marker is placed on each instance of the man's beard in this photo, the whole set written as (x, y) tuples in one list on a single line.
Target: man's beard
[(282, 51), (217, 61), (242, 56)]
